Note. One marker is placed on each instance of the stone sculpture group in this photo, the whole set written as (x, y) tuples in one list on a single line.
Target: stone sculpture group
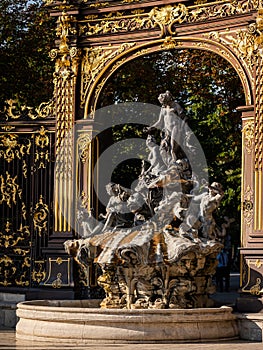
[(157, 244)]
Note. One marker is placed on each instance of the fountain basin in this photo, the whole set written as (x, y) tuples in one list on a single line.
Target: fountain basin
[(81, 322)]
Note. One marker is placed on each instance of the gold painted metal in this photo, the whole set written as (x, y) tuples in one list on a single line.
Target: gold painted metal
[(164, 17), (39, 274), (159, 45), (40, 217), (66, 68), (10, 148), (58, 282), (13, 110), (7, 127), (22, 252), (248, 205), (8, 238), (22, 280), (258, 200), (93, 62), (200, 2), (247, 195), (243, 42), (59, 261), (9, 189), (84, 143), (258, 263), (258, 140), (84, 200), (98, 4), (83, 169), (254, 289), (248, 132), (24, 169), (42, 151), (7, 270), (169, 43)]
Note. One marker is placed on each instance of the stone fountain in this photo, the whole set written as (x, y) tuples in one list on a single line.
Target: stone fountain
[(157, 246)]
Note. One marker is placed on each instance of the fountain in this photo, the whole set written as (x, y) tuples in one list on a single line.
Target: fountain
[(157, 247)]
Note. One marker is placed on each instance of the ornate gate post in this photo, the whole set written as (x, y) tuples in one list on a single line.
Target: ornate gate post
[(252, 196), (66, 56)]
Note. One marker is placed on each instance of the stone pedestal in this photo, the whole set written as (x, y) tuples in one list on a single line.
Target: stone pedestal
[(250, 326)]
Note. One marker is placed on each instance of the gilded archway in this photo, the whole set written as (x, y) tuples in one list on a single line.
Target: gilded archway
[(95, 38)]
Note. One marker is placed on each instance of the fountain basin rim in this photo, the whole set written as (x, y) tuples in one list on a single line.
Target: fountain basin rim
[(40, 309), (38, 321)]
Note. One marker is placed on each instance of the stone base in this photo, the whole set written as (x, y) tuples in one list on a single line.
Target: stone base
[(250, 326), (8, 302), (82, 322)]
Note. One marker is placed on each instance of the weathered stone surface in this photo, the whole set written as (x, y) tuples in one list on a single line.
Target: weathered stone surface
[(75, 322), (157, 244)]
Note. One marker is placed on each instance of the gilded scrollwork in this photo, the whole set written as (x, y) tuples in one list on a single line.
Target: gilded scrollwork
[(67, 58), (84, 142), (10, 148), (57, 283), (84, 199), (116, 23), (169, 43), (258, 263), (94, 60), (9, 189), (98, 4), (22, 252), (14, 110), (248, 205), (9, 238), (39, 274), (248, 132), (40, 216), (168, 15), (7, 270), (255, 289), (23, 279), (258, 141), (164, 17), (253, 283), (42, 151), (243, 42), (24, 169)]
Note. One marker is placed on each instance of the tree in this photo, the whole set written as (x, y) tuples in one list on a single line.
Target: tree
[(26, 37)]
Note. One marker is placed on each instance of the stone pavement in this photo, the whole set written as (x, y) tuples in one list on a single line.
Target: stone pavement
[(7, 342)]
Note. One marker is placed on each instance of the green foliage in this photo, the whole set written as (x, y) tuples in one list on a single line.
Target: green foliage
[(209, 89), (26, 37)]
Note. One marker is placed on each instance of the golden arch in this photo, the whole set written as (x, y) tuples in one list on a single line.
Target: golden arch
[(166, 44), (109, 34)]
